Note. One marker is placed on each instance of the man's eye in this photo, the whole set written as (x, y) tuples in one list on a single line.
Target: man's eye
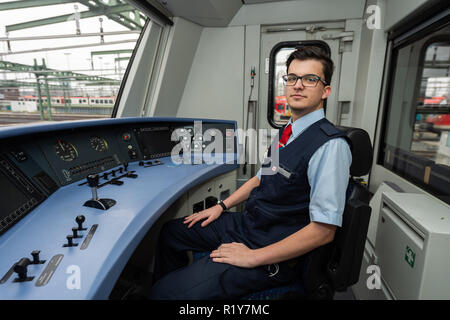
[(311, 79), (291, 78)]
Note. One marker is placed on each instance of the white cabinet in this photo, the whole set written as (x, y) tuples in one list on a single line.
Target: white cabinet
[(413, 246)]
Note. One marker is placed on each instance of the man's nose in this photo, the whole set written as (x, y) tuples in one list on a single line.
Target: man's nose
[(299, 84)]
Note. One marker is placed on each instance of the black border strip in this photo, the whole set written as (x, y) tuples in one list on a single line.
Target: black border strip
[(424, 28), (273, 52), (418, 19)]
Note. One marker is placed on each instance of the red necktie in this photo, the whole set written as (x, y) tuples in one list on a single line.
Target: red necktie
[(285, 136)]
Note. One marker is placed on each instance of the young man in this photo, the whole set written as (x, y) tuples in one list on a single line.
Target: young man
[(287, 214)]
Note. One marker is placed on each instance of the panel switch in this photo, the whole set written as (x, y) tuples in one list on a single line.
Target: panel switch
[(35, 255), (21, 268)]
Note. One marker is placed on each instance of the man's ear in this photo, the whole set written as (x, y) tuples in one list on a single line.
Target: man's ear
[(326, 92)]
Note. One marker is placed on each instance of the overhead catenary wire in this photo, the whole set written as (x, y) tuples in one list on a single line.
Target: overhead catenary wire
[(62, 36), (67, 47), (52, 71)]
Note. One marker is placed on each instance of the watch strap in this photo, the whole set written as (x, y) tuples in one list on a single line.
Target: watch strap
[(224, 207)]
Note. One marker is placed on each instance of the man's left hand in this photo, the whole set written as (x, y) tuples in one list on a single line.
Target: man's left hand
[(236, 254)]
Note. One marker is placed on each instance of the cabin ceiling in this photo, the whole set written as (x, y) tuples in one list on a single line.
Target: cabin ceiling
[(207, 13)]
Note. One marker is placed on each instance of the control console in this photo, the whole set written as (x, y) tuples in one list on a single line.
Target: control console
[(21, 267), (77, 199)]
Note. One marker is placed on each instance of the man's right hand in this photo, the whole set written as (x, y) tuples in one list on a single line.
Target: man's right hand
[(209, 214)]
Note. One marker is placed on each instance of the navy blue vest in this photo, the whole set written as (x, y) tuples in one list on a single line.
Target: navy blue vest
[(279, 206)]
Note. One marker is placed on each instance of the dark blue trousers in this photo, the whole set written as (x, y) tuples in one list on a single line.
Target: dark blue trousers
[(205, 279)]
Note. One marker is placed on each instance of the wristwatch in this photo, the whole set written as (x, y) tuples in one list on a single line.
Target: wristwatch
[(220, 203)]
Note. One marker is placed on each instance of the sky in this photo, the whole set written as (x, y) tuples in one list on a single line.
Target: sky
[(79, 59)]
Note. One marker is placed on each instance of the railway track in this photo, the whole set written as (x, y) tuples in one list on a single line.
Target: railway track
[(8, 119)]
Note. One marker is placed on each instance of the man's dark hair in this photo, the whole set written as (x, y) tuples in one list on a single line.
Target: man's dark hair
[(313, 53)]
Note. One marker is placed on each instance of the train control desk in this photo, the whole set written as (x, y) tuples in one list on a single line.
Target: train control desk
[(55, 224)]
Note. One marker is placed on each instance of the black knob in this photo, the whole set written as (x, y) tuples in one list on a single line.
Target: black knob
[(125, 166), (70, 241), (105, 176), (113, 173), (130, 174), (120, 170), (79, 220), (21, 268), (117, 182), (132, 154), (35, 255), (75, 232), (93, 180)]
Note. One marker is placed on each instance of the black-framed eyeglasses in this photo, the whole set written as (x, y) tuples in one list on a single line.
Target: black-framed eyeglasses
[(308, 80)]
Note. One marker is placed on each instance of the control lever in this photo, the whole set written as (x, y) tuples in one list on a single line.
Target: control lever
[(79, 220), (35, 255), (75, 233), (116, 182), (70, 242), (95, 202), (155, 163), (130, 174), (21, 268)]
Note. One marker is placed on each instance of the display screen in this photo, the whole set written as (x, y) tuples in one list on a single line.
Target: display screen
[(155, 142), (11, 197), (17, 196)]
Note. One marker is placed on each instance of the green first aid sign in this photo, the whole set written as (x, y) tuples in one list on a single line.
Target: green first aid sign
[(410, 256)]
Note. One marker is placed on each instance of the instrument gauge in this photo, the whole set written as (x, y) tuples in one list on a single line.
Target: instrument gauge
[(65, 150), (98, 144)]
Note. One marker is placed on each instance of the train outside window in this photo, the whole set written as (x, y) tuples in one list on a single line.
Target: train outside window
[(417, 142), (84, 56)]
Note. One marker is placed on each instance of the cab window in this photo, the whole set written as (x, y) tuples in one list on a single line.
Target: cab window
[(86, 54), (416, 143)]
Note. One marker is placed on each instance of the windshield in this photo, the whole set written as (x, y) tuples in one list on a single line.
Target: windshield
[(64, 60)]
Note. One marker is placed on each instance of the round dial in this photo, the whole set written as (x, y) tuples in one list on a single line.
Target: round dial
[(98, 144), (65, 150)]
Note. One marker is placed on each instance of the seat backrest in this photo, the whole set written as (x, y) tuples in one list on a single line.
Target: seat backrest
[(345, 263), (336, 266)]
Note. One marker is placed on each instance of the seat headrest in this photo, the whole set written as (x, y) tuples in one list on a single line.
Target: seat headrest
[(362, 151)]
